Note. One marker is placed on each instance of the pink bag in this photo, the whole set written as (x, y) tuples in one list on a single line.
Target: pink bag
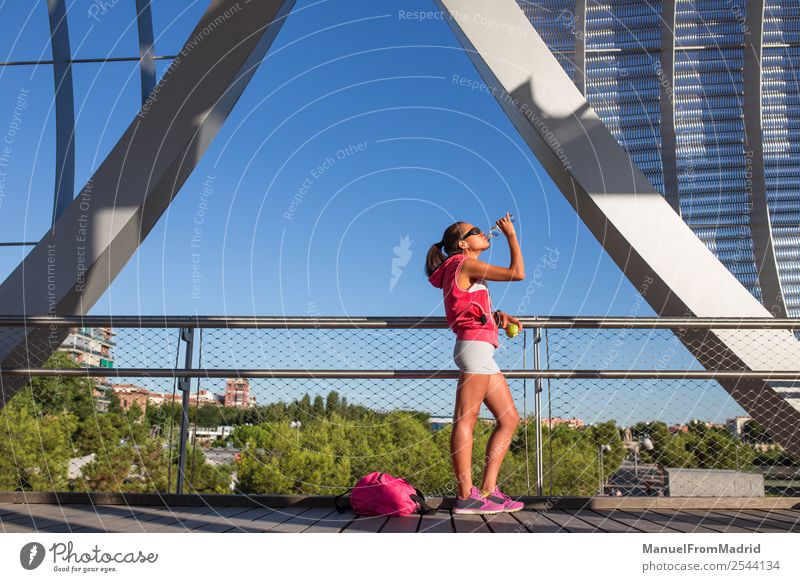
[(383, 494)]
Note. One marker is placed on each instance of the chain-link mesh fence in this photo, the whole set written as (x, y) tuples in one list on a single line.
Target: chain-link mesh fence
[(309, 405)]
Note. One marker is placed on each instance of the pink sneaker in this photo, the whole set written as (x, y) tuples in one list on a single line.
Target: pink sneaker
[(477, 504), (508, 504)]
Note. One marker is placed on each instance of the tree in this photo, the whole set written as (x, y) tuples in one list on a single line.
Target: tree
[(55, 394), (202, 476), (332, 402), (717, 449), (570, 460), (318, 408), (35, 449), (272, 461), (607, 433), (753, 432)]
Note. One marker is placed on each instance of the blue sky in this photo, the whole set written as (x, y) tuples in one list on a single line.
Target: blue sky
[(339, 74), (359, 134)]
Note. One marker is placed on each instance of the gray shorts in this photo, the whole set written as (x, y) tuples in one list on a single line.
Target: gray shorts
[(475, 357)]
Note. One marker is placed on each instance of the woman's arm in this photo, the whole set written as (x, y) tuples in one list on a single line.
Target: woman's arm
[(515, 272)]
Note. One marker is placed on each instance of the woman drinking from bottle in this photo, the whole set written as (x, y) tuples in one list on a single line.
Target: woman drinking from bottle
[(452, 265)]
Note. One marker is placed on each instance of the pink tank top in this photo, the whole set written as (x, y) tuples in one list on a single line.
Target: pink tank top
[(468, 312)]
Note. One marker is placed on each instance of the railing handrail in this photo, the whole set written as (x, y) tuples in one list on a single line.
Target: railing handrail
[(393, 322), (399, 373)]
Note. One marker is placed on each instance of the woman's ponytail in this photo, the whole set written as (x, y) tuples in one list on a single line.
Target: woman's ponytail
[(439, 252)]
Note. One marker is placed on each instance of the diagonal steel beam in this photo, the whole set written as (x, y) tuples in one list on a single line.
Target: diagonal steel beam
[(64, 108), (579, 54), (75, 262), (657, 251), (763, 249), (666, 106), (147, 64)]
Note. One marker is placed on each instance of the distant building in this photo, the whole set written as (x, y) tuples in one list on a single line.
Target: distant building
[(569, 422), (710, 424), (206, 397), (237, 393), (92, 347), (202, 397), (437, 423), (203, 435), (130, 393), (736, 425)]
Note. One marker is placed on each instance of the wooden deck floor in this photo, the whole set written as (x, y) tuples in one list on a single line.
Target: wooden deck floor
[(84, 518)]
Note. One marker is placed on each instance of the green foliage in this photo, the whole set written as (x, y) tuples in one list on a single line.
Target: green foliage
[(775, 456), (701, 447), (35, 448), (570, 462), (753, 432), (279, 459), (54, 419)]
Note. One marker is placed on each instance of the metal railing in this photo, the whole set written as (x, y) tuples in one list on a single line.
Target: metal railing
[(609, 384)]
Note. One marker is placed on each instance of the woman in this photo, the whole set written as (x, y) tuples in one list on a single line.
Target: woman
[(453, 266)]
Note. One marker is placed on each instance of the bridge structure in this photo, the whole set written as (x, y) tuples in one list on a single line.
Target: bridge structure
[(670, 128)]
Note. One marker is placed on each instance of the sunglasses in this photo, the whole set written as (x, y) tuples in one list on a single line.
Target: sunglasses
[(474, 230)]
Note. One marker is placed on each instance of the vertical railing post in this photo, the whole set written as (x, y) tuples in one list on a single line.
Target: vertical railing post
[(525, 411), (537, 403), (185, 385)]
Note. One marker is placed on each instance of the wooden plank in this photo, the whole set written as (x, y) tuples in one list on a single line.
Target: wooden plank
[(763, 521), (571, 523), (537, 522), (788, 512), (439, 522), (636, 520), (214, 520), (162, 520), (30, 525), (333, 523), (124, 518), (402, 524), (465, 523), (605, 521), (222, 518), (301, 522), (24, 514), (30, 513), (8, 508), (38, 517), (108, 516), (733, 517), (366, 524), (602, 522), (713, 519), (178, 519), (267, 520), (762, 514), (19, 527), (86, 517), (693, 522), (671, 521), (504, 523)]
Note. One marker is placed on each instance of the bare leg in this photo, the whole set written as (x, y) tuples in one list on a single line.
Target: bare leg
[(469, 395), (501, 404)]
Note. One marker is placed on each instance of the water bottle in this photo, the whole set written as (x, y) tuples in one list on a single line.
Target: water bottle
[(495, 230)]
